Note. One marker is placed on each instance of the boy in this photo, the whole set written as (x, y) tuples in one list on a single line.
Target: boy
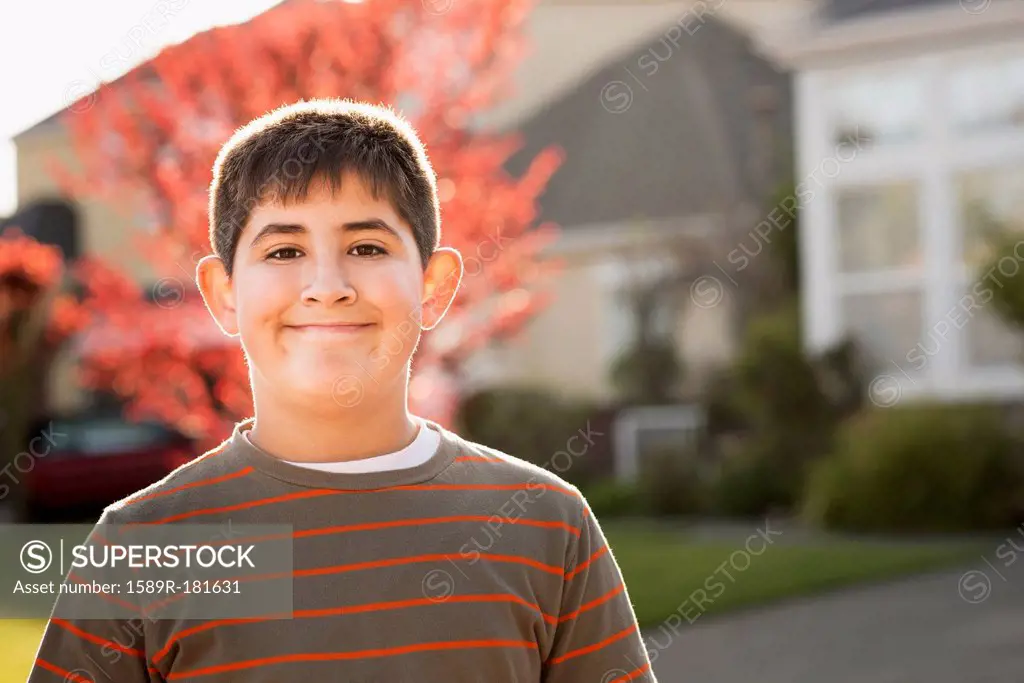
[(431, 558)]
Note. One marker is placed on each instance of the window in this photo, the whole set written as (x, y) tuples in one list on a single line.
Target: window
[(991, 206), (895, 248), (619, 280), (888, 326), (877, 227), (991, 203), (986, 97), (991, 343), (878, 109)]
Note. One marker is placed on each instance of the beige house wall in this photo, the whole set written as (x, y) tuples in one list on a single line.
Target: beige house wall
[(104, 232), (570, 345)]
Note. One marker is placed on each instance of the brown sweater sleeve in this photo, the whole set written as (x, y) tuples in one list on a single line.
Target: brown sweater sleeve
[(597, 638), (91, 650)]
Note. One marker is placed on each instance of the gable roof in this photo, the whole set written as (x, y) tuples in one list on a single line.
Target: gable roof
[(681, 147), (841, 10)]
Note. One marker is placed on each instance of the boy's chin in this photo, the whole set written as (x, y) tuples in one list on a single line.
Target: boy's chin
[(341, 386)]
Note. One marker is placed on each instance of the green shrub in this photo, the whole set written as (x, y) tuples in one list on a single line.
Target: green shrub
[(785, 407), (647, 373), (531, 424), (919, 468), (670, 482), (759, 478), (611, 498), (777, 384)]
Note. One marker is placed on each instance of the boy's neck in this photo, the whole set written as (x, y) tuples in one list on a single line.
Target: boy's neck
[(363, 431)]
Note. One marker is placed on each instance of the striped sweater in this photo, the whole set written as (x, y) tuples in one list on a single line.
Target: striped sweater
[(473, 566)]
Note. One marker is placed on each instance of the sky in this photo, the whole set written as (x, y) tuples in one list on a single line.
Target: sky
[(55, 51)]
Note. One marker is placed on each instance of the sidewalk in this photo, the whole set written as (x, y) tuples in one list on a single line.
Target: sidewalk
[(919, 630)]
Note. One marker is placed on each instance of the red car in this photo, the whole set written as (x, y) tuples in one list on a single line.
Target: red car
[(87, 463)]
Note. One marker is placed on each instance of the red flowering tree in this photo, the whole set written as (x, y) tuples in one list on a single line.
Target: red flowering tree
[(37, 315), (153, 135)]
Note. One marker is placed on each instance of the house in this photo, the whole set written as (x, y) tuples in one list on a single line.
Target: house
[(910, 140), (674, 127), (659, 152)]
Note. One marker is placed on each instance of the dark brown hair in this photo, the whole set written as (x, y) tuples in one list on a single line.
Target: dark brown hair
[(276, 158)]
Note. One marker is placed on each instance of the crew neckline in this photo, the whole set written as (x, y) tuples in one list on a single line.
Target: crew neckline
[(277, 468), (419, 450)]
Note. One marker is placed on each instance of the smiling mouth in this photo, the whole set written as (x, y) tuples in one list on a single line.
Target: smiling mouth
[(330, 329)]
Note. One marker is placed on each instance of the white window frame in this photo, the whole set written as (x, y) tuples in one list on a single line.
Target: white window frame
[(932, 161), (615, 277), (689, 420)]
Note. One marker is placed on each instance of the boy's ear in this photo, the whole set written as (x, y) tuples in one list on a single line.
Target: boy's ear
[(441, 281), (218, 294)]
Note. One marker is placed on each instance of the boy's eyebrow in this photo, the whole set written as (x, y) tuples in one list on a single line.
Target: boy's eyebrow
[(298, 228)]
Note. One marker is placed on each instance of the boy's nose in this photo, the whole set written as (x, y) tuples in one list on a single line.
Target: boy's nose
[(328, 283)]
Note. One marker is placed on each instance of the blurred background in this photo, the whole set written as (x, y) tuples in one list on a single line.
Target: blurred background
[(747, 272)]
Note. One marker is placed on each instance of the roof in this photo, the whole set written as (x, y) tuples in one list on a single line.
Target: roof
[(650, 139), (49, 221), (840, 10)]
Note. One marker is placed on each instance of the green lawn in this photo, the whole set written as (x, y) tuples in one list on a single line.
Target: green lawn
[(663, 570)]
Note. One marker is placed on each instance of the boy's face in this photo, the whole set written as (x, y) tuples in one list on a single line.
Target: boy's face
[(329, 294)]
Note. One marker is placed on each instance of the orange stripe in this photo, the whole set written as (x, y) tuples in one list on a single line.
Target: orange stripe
[(208, 625), (412, 559), (331, 492), (367, 526), (135, 570), (203, 482), (358, 654), (593, 603), (480, 487), (417, 602), (596, 646), (240, 506), (371, 564), (375, 564), (106, 596), (466, 458), (68, 676), (104, 539), (434, 520), (96, 639), (586, 564), (353, 609), (632, 674)]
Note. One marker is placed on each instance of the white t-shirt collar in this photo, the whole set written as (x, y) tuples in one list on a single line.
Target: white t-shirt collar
[(416, 453)]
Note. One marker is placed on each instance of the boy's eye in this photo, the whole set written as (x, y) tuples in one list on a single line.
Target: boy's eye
[(283, 254), (379, 250)]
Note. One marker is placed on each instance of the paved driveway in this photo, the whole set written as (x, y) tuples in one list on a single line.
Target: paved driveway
[(919, 630)]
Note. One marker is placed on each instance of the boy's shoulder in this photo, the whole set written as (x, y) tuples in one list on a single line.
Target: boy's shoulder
[(178, 491), (485, 464)]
